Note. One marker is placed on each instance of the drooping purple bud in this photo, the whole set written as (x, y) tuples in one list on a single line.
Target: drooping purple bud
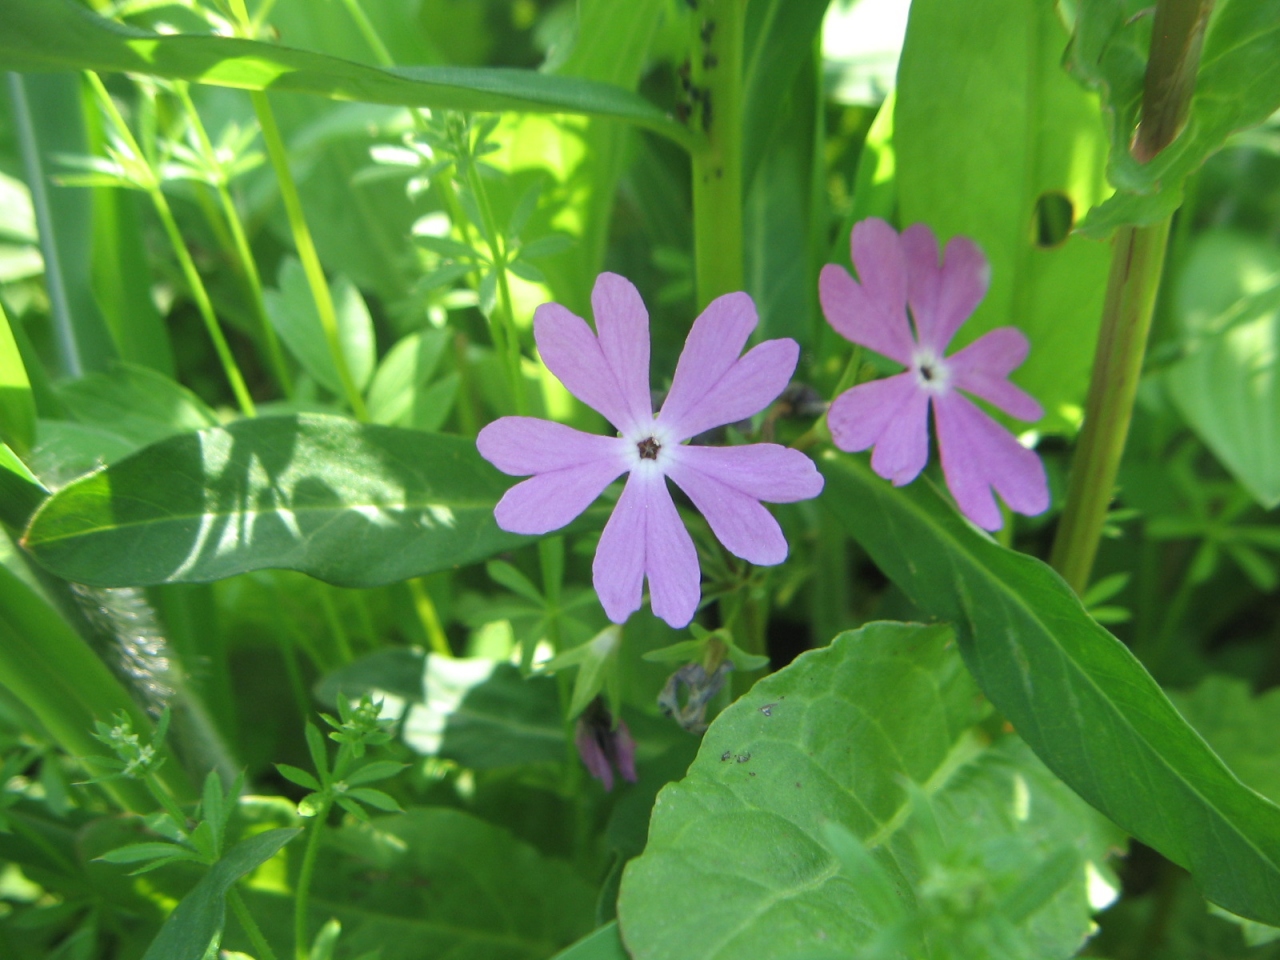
[(603, 746)]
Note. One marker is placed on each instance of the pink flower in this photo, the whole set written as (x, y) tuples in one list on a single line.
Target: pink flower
[(892, 415), (713, 386)]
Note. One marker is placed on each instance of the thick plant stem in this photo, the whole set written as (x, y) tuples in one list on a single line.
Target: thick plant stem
[(307, 250), (1137, 258), (303, 891), (189, 272), (716, 77)]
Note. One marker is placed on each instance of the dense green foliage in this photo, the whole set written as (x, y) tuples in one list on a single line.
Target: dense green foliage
[(274, 681)]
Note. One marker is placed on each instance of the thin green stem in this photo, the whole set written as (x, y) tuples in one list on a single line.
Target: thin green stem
[(249, 925), (429, 618), (716, 71), (1137, 258), (198, 292), (240, 243), (340, 639), (165, 799), (303, 892), (370, 33)]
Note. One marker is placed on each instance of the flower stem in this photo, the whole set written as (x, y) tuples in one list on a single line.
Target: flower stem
[(240, 241), (716, 76), (1137, 258), (249, 925), (370, 33), (189, 272), (303, 891), (430, 619)]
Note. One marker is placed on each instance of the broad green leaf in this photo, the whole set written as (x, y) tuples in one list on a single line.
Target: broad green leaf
[(135, 403), (1074, 693), (62, 35), (293, 313), (17, 405), (602, 944), (405, 391), (479, 712), (1239, 726), (435, 882), (1238, 87), (68, 450), (47, 117), (1227, 302), (987, 127), (352, 504), (197, 921), (873, 733)]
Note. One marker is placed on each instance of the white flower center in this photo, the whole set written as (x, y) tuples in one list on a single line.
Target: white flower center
[(932, 372)]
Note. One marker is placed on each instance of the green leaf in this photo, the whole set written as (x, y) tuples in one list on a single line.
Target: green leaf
[(326, 941), (987, 126), (1074, 693), (352, 504), (604, 943), (298, 775), (1239, 726), (404, 392), (504, 573), (1238, 87), (479, 712), (17, 405), (20, 492), (135, 403), (293, 313), (197, 921), (138, 852), (873, 733), (1227, 386), (48, 123), (374, 798), (62, 35)]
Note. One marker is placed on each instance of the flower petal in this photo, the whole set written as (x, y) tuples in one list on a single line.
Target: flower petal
[(924, 276), (977, 455), (983, 368), (962, 284), (903, 448), (623, 326), (856, 317), (592, 754), (746, 529), (571, 351), (670, 560), (859, 416), (522, 446), (550, 500), (881, 264), (713, 346), (618, 569), (752, 383), (762, 471)]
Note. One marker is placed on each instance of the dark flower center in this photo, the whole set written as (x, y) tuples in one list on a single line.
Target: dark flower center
[(927, 371), (648, 448)]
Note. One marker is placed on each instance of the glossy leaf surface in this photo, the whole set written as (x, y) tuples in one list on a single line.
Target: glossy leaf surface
[(351, 504), (1074, 693), (745, 835)]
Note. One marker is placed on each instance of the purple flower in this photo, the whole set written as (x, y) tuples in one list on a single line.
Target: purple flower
[(892, 415), (602, 746), (713, 386)]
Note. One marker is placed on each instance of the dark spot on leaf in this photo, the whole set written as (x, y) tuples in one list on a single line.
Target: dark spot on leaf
[(743, 757), (726, 755), (1054, 218), (767, 709)]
